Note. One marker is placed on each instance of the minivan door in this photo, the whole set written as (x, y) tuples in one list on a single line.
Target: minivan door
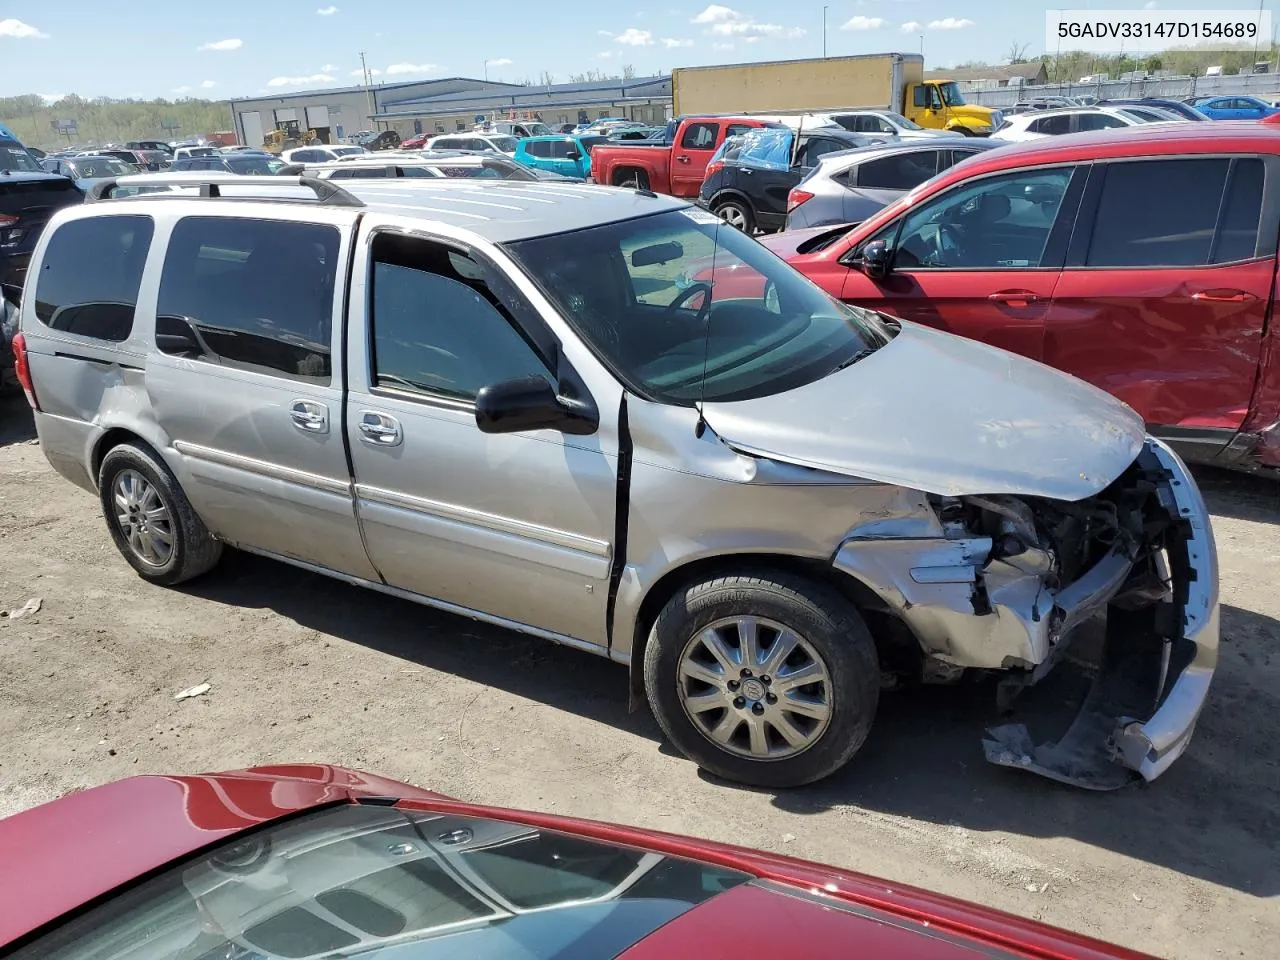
[(518, 527), (246, 380), (1163, 304), (980, 259)]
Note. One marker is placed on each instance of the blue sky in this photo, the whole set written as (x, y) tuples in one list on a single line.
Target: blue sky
[(230, 48)]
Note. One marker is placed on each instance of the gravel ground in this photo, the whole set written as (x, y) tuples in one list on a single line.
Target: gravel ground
[(303, 668)]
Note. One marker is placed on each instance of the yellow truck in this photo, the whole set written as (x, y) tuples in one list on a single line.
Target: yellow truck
[(883, 81)]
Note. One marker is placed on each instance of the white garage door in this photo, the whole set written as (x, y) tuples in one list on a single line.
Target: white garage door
[(284, 116), (317, 117), (251, 124)]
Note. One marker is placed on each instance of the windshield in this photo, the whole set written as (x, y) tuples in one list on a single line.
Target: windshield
[(89, 167), (902, 123), (255, 165), (951, 95), (637, 292), (589, 143), (504, 144), (14, 156), (374, 881)]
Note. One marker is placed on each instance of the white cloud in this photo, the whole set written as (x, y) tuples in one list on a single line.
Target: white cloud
[(180, 90), (1150, 5), (299, 81), (329, 68), (673, 44), (18, 30), (327, 11), (604, 55), (634, 38), (360, 73), (402, 68), (912, 26), (863, 23), (208, 85), (605, 33), (722, 46), (500, 62), (726, 22), (232, 44), (52, 97), (950, 23)]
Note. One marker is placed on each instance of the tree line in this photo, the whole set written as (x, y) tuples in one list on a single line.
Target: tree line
[(104, 120), (1070, 65)]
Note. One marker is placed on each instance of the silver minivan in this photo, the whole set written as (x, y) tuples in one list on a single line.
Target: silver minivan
[(527, 404)]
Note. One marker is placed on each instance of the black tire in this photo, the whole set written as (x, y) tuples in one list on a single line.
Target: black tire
[(634, 181), (736, 210), (827, 622), (193, 550)]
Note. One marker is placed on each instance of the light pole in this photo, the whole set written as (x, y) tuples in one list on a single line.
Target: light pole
[(824, 32)]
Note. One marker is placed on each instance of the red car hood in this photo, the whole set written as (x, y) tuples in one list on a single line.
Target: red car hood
[(59, 856)]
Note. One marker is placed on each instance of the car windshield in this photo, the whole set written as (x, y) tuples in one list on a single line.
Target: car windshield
[(89, 167), (254, 164), (14, 156), (902, 123), (951, 95), (589, 143), (684, 308), (504, 144), (376, 881)]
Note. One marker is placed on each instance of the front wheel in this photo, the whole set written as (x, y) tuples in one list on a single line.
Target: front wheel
[(771, 680), (736, 214)]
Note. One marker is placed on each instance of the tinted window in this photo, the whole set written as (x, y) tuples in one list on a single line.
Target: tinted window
[(538, 148), (814, 149), (699, 136), (737, 128), (899, 171), (90, 275), (1099, 121), (251, 294), (589, 143), (1238, 231), (437, 328), (420, 173), (1052, 126), (993, 223), (1132, 231), (560, 149)]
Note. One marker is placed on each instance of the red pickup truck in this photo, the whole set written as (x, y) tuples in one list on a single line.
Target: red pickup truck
[(674, 162)]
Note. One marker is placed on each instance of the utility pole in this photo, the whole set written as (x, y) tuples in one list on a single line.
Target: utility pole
[(1256, 37), (368, 86), (824, 32)]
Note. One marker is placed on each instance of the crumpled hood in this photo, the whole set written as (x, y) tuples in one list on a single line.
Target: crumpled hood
[(946, 415)]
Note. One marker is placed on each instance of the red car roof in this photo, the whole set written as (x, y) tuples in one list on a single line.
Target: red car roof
[(113, 834)]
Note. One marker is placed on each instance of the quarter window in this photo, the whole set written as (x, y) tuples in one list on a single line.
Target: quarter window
[(700, 136), (1131, 232), (251, 294), (1100, 121), (437, 326), (996, 223), (90, 275), (1052, 126)]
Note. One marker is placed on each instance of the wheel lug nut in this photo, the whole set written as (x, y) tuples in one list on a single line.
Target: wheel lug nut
[(766, 679), (739, 702), (746, 674), (757, 708), (771, 697), (733, 684)]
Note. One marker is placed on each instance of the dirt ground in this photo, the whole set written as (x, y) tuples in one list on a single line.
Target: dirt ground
[(304, 668)]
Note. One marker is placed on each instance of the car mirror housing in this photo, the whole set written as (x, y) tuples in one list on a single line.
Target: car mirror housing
[(530, 403), (876, 260)]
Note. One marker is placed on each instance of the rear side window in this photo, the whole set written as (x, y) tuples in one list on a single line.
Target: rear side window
[(90, 275), (700, 136), (899, 171), (1131, 231), (735, 129), (1099, 121), (1052, 126), (560, 149), (538, 148), (252, 294)]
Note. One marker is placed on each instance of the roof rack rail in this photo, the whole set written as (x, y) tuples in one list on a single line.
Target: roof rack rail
[(211, 186)]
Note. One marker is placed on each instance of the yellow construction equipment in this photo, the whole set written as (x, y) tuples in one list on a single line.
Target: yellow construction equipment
[(287, 138)]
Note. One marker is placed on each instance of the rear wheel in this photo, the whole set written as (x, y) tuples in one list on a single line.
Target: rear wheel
[(767, 680), (635, 180), (737, 214), (151, 521)]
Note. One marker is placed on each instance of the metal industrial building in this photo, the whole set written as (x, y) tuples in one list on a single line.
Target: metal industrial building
[(447, 105)]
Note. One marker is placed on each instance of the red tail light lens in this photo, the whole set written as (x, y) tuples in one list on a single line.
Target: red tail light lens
[(714, 168), (797, 197), (23, 370)]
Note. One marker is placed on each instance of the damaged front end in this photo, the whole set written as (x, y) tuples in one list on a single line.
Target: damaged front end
[(1010, 581)]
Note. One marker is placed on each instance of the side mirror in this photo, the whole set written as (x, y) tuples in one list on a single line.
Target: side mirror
[(530, 403), (573, 155), (876, 260)]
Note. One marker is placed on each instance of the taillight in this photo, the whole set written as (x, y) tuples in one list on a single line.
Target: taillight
[(714, 168), (797, 197), (23, 370), (10, 230)]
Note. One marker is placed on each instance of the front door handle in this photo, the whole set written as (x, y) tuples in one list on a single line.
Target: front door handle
[(1222, 296), (380, 430), (1014, 298), (682, 159), (309, 416)]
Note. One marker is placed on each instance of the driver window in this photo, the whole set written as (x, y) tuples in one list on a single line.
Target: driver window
[(995, 223), (437, 328)]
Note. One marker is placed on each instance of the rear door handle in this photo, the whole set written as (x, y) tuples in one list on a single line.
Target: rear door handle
[(309, 416), (380, 430), (1014, 298), (1222, 296)]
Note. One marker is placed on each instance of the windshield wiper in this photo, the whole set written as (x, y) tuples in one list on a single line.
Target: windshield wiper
[(860, 355)]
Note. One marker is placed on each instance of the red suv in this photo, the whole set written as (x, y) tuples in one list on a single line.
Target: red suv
[(1142, 261)]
